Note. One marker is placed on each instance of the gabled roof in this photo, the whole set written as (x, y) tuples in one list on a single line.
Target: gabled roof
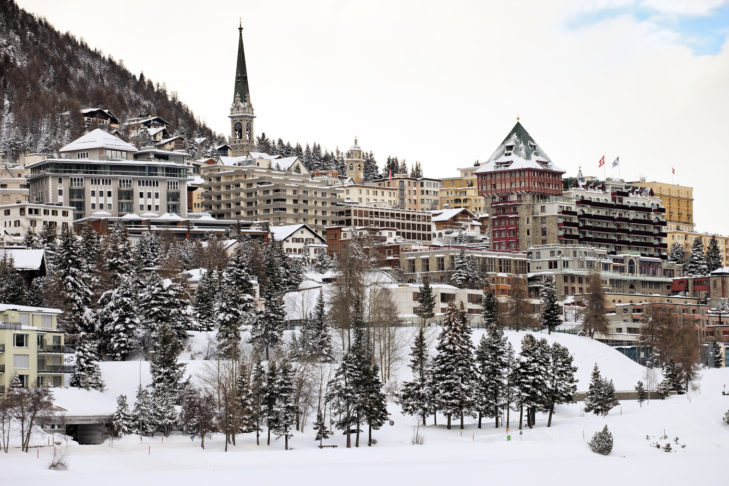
[(24, 259), (280, 233), (440, 215), (90, 111), (98, 139), (518, 151), (284, 163)]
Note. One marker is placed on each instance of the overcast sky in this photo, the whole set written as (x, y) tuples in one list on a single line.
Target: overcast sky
[(443, 82)]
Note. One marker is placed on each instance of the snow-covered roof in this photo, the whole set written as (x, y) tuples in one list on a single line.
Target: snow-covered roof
[(263, 155), (721, 270), (280, 233), (440, 215), (284, 163), (26, 308), (24, 259), (169, 139), (98, 139), (232, 160), (155, 130), (199, 140), (518, 151)]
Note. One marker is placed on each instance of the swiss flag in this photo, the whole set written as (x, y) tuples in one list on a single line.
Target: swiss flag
[(602, 162)]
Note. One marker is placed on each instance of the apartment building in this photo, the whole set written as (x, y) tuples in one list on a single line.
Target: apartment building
[(413, 193), (97, 172), (686, 240), (405, 296), (279, 191), (678, 201), (462, 191), (13, 185), (408, 224), (31, 347), (298, 240), (19, 219), (371, 195)]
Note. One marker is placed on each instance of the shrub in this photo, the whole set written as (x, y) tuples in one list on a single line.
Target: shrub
[(726, 417), (602, 442)]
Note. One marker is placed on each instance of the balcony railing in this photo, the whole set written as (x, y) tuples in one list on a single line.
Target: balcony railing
[(49, 368), (55, 348)]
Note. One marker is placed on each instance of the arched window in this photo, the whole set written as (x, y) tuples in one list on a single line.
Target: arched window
[(631, 267)]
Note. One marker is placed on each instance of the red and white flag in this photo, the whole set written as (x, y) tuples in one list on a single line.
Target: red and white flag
[(602, 162), (390, 174), (673, 171)]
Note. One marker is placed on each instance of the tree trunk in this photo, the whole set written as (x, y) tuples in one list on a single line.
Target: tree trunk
[(349, 436), (551, 410), (258, 435), (286, 438), (268, 442), (356, 442), (508, 415), (202, 440), (424, 424), (462, 414), (521, 415), (479, 420), (369, 434), (448, 426)]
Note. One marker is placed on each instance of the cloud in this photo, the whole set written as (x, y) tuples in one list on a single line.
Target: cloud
[(692, 8)]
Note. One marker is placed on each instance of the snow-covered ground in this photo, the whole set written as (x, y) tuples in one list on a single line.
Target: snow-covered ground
[(474, 456)]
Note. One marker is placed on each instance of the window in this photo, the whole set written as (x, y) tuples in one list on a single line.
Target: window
[(20, 340), (21, 361), (47, 322)]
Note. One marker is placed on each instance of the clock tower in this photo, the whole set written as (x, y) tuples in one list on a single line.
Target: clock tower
[(242, 138)]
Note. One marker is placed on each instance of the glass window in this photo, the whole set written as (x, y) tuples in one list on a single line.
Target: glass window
[(20, 340)]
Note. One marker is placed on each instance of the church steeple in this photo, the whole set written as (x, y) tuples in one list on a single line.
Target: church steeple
[(241, 74)]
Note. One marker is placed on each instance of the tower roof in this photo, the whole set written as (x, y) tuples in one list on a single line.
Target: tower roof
[(241, 74), (518, 151)]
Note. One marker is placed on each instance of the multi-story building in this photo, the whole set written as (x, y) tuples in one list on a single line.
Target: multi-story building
[(98, 117), (462, 191), (413, 193), (678, 201), (13, 185), (370, 194), (97, 172), (686, 240), (280, 191), (298, 240), (19, 219), (571, 266), (405, 296), (31, 347), (515, 180), (408, 224)]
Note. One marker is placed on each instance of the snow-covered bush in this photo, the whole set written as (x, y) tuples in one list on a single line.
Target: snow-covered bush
[(602, 442), (726, 417)]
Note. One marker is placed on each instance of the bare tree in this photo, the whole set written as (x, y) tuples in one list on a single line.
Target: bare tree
[(350, 269), (384, 323), (26, 406), (6, 423), (520, 314), (593, 316)]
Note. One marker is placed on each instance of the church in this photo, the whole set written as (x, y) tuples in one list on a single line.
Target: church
[(242, 138)]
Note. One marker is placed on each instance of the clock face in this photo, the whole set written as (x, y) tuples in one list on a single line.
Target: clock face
[(238, 126)]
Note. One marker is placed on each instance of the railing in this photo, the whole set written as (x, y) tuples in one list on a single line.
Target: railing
[(47, 368), (55, 348), (11, 325), (2, 369), (2, 348)]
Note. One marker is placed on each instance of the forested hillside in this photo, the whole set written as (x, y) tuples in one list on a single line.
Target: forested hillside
[(44, 74)]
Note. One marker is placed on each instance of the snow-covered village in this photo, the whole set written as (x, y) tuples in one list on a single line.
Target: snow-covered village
[(399, 286)]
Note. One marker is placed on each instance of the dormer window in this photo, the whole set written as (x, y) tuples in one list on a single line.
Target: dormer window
[(509, 150)]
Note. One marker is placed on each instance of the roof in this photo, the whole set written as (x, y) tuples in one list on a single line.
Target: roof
[(88, 111), (280, 233), (241, 74), (168, 140), (284, 163), (448, 214), (24, 259), (232, 160), (98, 139), (26, 308), (525, 153), (262, 155)]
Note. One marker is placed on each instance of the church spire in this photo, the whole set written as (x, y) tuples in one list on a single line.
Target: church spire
[(241, 74)]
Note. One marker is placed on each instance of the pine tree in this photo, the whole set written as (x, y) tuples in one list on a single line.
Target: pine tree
[(341, 394), (426, 302), (454, 370), (244, 402), (677, 253), (149, 249), (122, 321), (532, 377), (671, 379), (640, 390), (270, 400), (490, 309), (602, 442), (75, 279), (269, 326), (323, 261), (415, 395), (561, 382), (713, 255), (206, 296), (197, 414), (285, 409), (600, 397), (122, 420), (696, 264), (373, 399), (178, 317), (87, 374), (12, 286), (167, 373), (152, 306), (492, 361), (118, 255), (258, 385), (716, 355), (460, 275), (228, 321), (143, 417), (322, 432), (316, 342), (551, 314)]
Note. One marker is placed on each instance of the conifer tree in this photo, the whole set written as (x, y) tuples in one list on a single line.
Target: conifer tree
[(426, 302), (285, 409), (143, 415), (716, 355), (640, 390), (490, 309), (492, 363), (713, 255), (228, 321), (696, 264), (341, 394), (454, 370), (167, 373), (122, 420), (118, 253), (152, 306), (512, 379), (550, 315), (460, 276), (532, 377), (206, 300), (12, 286), (244, 401), (269, 326), (322, 432), (148, 249), (677, 253), (316, 342), (122, 322), (415, 395), (75, 279), (258, 385), (600, 397), (561, 382), (270, 400), (87, 374)]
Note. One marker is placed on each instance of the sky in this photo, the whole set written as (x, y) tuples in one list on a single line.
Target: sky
[(443, 82)]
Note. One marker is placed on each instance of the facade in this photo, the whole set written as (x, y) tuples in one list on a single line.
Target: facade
[(370, 194), (279, 191), (97, 172), (242, 135), (678, 201), (13, 185), (297, 240), (457, 219), (409, 225), (413, 193), (19, 219), (96, 117), (31, 347), (405, 296), (462, 192)]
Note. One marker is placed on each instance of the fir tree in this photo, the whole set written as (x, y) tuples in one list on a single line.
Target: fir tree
[(148, 249), (426, 302), (492, 362), (270, 400), (550, 315), (122, 421), (244, 402), (167, 373), (671, 379), (696, 264), (118, 253), (460, 275), (454, 370), (316, 342), (716, 355), (122, 322), (602, 442), (12, 286), (228, 321), (600, 397), (197, 414), (341, 394), (490, 309), (76, 281), (677, 253), (323, 261), (285, 409), (143, 416), (561, 381), (268, 329), (640, 390), (258, 385), (322, 432), (415, 395), (152, 306), (87, 374), (713, 255), (532, 377), (372, 398), (206, 297)]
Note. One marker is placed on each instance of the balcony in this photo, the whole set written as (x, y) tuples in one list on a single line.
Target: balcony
[(51, 368), (55, 348), (2, 369)]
